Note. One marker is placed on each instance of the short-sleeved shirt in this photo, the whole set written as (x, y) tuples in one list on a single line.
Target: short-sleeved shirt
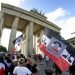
[(21, 71)]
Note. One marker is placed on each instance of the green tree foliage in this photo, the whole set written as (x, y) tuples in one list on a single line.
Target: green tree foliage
[(3, 49)]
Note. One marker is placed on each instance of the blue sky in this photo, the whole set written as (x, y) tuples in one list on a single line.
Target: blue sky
[(60, 12), (49, 5)]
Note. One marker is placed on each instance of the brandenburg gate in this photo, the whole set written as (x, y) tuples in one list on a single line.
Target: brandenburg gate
[(30, 23)]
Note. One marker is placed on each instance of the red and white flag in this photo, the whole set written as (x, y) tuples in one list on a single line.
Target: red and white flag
[(57, 49)]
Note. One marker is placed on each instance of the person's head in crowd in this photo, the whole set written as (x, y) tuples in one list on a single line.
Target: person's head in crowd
[(30, 61), (22, 56), (18, 57), (8, 60), (3, 54), (9, 55), (22, 62)]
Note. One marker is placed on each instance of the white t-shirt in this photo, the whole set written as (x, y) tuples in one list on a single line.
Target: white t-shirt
[(2, 66), (21, 71)]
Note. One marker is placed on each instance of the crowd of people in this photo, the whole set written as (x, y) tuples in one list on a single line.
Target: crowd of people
[(16, 64)]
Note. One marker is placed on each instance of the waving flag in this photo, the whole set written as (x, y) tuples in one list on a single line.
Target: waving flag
[(18, 39), (17, 43), (57, 49)]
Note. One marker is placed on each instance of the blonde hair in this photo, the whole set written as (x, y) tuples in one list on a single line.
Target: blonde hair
[(30, 61), (21, 61)]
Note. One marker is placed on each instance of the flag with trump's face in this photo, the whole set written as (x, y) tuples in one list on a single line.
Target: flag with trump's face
[(57, 49)]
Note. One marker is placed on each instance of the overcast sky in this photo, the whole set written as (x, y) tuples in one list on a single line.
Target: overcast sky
[(60, 12)]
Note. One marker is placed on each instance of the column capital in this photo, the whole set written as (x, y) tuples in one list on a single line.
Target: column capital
[(15, 20), (31, 22)]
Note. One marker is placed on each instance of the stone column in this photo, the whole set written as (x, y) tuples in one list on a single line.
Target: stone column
[(1, 24), (29, 38), (13, 34), (34, 43)]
